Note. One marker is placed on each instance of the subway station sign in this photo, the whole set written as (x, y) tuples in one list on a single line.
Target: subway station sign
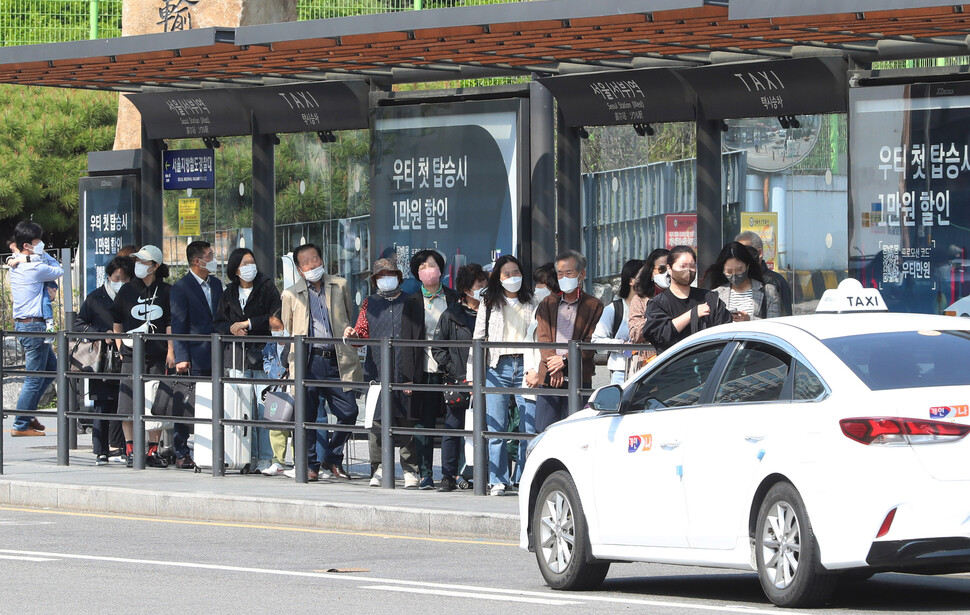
[(188, 168)]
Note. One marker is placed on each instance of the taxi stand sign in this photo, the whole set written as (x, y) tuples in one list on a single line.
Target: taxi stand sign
[(851, 296)]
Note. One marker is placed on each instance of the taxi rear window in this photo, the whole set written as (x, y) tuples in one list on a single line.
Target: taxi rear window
[(906, 359)]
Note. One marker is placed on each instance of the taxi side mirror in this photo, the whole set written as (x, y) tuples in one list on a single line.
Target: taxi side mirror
[(607, 399)]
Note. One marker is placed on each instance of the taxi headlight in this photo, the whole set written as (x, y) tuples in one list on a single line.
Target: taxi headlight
[(532, 444)]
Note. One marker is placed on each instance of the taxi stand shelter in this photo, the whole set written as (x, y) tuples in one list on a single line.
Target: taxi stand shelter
[(664, 60)]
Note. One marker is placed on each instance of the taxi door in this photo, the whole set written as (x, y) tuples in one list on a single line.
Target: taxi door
[(638, 462)]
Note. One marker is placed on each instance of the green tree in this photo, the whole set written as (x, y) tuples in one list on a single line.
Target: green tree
[(45, 135)]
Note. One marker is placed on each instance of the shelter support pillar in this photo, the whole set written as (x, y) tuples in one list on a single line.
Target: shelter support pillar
[(150, 228), (569, 223), (264, 202), (708, 191), (539, 223)]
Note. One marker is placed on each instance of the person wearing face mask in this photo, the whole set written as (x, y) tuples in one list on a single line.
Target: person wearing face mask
[(27, 289), (381, 317), (457, 323), (143, 305), (95, 315), (613, 327), (546, 283), (652, 279), (508, 312), (318, 305), (244, 309), (419, 322), (736, 277), (571, 315), (195, 298), (682, 310), (275, 366)]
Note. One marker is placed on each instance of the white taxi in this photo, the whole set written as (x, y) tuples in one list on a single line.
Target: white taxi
[(806, 448)]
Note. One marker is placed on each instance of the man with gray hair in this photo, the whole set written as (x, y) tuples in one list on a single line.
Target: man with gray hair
[(753, 240), (570, 315)]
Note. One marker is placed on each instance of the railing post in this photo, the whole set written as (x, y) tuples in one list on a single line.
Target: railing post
[(67, 301), (63, 423), (3, 356), (138, 401), (218, 429), (299, 411), (575, 374), (479, 445), (387, 414)]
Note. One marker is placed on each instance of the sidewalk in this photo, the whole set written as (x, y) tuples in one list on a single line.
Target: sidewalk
[(33, 479)]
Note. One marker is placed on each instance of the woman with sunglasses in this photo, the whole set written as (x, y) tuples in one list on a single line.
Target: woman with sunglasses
[(651, 280), (682, 310)]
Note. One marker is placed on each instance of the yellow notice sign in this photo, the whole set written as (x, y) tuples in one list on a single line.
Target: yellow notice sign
[(190, 220), (766, 225)]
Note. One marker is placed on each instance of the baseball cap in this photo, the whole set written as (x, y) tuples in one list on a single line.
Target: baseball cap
[(149, 253)]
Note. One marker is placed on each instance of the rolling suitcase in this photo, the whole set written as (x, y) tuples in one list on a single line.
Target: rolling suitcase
[(238, 401)]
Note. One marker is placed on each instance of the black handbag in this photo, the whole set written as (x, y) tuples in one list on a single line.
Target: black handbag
[(174, 398), (457, 400)]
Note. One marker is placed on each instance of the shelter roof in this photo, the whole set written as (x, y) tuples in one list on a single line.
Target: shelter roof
[(544, 38)]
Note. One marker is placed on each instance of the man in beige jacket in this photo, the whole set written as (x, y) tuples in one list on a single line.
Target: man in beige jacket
[(319, 306)]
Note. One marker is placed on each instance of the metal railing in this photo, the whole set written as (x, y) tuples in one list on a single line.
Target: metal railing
[(66, 413)]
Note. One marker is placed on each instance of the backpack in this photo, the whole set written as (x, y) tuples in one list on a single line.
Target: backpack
[(617, 315)]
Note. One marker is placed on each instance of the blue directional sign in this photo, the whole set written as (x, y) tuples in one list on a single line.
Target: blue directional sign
[(188, 168)]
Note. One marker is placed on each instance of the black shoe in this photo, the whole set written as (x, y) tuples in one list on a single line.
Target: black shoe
[(130, 460), (447, 483), (155, 461), (102, 460), (184, 463)]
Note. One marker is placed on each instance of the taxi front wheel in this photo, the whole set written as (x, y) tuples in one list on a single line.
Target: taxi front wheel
[(560, 537), (787, 553)]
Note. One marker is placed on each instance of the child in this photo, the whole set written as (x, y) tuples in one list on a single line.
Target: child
[(275, 360)]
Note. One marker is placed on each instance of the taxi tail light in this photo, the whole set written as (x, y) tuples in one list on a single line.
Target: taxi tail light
[(896, 430), (887, 522)]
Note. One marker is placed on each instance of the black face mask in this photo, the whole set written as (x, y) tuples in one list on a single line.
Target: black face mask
[(737, 278)]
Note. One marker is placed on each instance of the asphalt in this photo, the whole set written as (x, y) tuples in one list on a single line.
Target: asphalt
[(31, 478)]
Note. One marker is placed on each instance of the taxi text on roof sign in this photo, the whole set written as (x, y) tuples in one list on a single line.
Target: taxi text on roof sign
[(851, 296)]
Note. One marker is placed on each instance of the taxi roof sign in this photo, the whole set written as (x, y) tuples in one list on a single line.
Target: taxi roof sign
[(851, 296)]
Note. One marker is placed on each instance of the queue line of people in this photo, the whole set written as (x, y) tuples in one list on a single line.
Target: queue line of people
[(658, 303)]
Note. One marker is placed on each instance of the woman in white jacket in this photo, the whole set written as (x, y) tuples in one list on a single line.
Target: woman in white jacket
[(508, 311), (607, 331)]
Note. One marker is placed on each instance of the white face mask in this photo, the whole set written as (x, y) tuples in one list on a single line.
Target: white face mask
[(662, 280), (476, 294), (141, 270), (568, 285), (247, 273), (211, 266), (280, 333), (115, 286), (512, 284), (314, 275), (39, 248), (387, 283), (542, 293)]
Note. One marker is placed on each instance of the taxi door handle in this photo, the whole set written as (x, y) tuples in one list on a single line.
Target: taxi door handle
[(754, 438), (670, 445)]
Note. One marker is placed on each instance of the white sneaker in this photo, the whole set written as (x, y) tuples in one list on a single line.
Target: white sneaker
[(263, 464), (273, 470), (498, 489), (291, 473), (375, 481), (411, 480)]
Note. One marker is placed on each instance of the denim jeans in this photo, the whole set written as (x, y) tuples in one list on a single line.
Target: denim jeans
[(327, 446), (507, 374), (39, 357), (527, 424)]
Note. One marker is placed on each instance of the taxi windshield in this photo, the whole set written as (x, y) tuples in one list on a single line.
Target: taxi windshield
[(906, 359)]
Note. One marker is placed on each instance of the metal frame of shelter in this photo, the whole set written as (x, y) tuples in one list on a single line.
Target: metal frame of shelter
[(688, 60)]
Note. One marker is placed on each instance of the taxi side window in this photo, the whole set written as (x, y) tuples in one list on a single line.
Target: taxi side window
[(756, 373), (806, 383), (680, 382)]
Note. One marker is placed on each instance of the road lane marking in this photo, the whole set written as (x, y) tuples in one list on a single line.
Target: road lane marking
[(255, 526), (469, 595), (25, 558), (585, 598)]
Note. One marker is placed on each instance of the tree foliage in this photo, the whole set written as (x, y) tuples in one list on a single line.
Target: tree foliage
[(45, 135)]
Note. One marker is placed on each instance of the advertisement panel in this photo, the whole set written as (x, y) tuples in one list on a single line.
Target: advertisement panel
[(680, 230), (765, 224), (909, 147), (447, 177), (190, 218), (107, 224)]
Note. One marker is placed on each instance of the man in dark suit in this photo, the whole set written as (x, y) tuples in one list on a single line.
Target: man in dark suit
[(570, 315), (194, 299)]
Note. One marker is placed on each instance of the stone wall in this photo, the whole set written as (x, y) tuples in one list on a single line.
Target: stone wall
[(155, 16)]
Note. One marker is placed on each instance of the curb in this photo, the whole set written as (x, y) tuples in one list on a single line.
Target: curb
[(263, 511)]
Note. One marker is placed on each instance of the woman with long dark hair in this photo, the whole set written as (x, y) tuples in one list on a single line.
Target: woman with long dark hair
[(736, 277), (682, 310), (651, 280), (245, 309), (613, 326), (509, 309)]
